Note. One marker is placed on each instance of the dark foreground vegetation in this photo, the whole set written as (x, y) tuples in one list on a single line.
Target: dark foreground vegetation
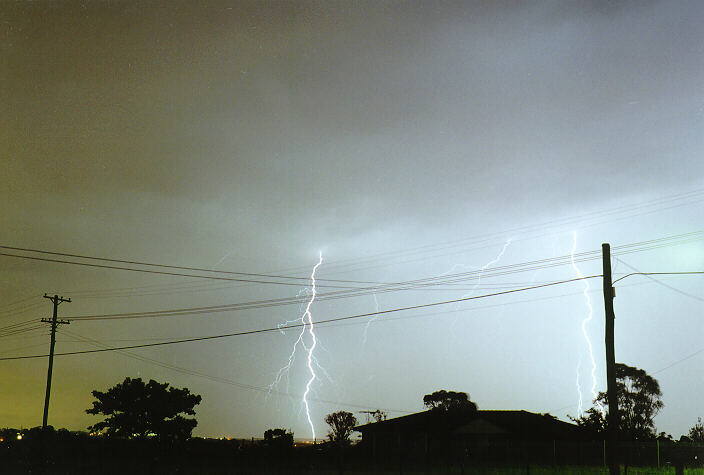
[(146, 429), (64, 452)]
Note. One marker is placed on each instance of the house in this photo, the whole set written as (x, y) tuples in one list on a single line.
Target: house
[(461, 434)]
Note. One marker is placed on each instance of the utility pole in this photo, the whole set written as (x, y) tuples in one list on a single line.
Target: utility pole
[(56, 300), (611, 390), (369, 415)]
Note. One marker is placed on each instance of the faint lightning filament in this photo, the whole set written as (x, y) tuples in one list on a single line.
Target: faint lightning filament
[(585, 322), (369, 322), (484, 268)]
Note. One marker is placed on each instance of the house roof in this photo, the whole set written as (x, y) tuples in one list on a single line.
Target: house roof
[(476, 423), (426, 420)]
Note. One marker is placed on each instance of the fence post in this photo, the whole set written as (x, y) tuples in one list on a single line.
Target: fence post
[(657, 444), (604, 452)]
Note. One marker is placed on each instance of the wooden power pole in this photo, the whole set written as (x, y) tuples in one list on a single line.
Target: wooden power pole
[(611, 390), (56, 300)]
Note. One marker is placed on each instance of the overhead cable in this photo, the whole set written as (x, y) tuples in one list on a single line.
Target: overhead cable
[(299, 325)]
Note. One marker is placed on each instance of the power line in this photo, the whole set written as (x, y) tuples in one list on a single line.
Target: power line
[(419, 283), (247, 305), (400, 286), (7, 313), (211, 277), (17, 302), (561, 260), (189, 311), (298, 325), (151, 271), (167, 266), (667, 286), (19, 331), (475, 239), (692, 355), (23, 347), (391, 319), (658, 273), (533, 227), (219, 379), (390, 287), (19, 324)]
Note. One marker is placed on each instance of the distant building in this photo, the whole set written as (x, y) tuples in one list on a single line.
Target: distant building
[(461, 435)]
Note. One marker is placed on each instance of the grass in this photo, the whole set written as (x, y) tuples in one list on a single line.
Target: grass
[(536, 470)]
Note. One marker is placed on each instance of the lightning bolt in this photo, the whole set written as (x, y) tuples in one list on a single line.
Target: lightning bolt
[(222, 259), (585, 322), (315, 342), (482, 269), (309, 328), (495, 261), (285, 369)]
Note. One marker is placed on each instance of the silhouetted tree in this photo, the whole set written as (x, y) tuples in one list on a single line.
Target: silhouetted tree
[(138, 410), (592, 421), (278, 438), (341, 424), (379, 415), (446, 401), (696, 433), (639, 401)]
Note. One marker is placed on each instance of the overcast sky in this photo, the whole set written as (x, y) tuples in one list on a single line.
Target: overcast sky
[(402, 141)]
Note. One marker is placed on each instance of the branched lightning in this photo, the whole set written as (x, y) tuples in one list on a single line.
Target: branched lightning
[(315, 342), (585, 322), (308, 327), (285, 369)]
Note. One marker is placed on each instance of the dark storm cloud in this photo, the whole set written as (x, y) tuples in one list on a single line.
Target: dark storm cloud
[(219, 102), (336, 117)]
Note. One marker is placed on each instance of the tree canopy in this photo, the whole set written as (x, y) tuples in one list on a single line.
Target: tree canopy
[(278, 438), (379, 415), (341, 425), (138, 410), (639, 401), (446, 401), (696, 433)]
